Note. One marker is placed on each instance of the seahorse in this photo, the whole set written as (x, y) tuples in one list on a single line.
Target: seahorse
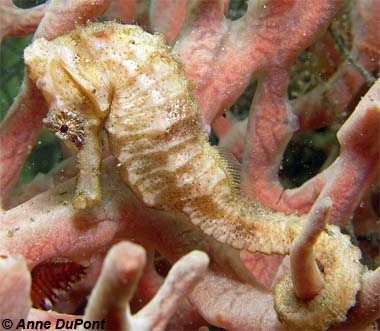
[(126, 81)]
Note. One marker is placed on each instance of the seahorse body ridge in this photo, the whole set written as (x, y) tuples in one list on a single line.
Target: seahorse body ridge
[(125, 80)]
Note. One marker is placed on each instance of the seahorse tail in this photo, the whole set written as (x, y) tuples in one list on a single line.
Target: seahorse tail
[(338, 258), (221, 212), (341, 271)]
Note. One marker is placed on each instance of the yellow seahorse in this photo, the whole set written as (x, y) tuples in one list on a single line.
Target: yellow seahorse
[(125, 80)]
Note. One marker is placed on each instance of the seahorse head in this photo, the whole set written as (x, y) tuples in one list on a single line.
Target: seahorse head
[(74, 86), (60, 92)]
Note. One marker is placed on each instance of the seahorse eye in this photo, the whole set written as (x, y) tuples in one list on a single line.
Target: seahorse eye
[(64, 128)]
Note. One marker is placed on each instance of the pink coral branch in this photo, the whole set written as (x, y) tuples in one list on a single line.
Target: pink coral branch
[(20, 128), (329, 100), (109, 300), (149, 283), (220, 68), (263, 267), (221, 126), (232, 305), (302, 259), (166, 17), (358, 162), (358, 168), (325, 103), (122, 10), (365, 217), (180, 281), (15, 286), (18, 131), (267, 141), (270, 127), (115, 287), (185, 317), (43, 182), (15, 21)]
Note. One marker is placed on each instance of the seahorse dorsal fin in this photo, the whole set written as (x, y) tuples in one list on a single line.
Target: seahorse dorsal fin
[(233, 165)]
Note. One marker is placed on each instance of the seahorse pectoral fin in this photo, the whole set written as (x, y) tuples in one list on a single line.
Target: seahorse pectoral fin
[(88, 192)]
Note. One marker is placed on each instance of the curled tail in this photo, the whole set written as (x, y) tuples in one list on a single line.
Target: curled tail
[(202, 187), (257, 229)]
